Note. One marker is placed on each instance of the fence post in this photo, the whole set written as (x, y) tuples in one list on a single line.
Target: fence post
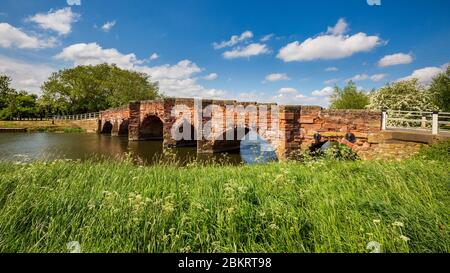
[(423, 124), (384, 117), (435, 124)]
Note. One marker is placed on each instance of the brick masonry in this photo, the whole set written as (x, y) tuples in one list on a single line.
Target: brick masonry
[(297, 127)]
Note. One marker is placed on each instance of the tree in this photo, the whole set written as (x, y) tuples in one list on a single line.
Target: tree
[(5, 91), (93, 88), (440, 90), (404, 95), (348, 98)]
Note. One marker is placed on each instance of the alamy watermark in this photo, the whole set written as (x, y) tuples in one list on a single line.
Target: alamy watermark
[(224, 122)]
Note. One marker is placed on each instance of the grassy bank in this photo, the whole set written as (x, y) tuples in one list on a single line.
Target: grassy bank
[(318, 206), (43, 126)]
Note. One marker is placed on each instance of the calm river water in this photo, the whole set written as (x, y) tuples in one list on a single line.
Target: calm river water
[(26, 147)]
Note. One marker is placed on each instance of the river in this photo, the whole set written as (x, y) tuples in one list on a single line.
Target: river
[(27, 147)]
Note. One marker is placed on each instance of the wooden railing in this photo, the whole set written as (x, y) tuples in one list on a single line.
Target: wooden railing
[(433, 122), (86, 116)]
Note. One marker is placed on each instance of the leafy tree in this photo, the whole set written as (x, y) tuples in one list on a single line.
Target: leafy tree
[(5, 91), (404, 95), (349, 98), (19, 105), (440, 90), (92, 88)]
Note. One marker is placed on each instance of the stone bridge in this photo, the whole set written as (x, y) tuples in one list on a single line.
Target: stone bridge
[(288, 129)]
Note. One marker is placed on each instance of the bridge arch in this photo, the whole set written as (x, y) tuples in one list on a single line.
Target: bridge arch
[(151, 128), (123, 127), (223, 143), (107, 127), (189, 137)]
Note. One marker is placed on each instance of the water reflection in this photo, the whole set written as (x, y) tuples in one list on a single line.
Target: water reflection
[(25, 147)]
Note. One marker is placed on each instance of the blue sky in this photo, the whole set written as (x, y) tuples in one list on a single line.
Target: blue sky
[(290, 52)]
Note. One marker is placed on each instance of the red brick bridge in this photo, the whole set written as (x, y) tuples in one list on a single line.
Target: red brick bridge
[(288, 129)]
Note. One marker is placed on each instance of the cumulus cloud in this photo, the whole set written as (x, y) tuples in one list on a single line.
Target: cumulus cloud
[(235, 39), (424, 75), (25, 76), (325, 92), (332, 45), (74, 2), (276, 77), (60, 20), (341, 27), (177, 80), (11, 36), (154, 56), (287, 90), (395, 59), (254, 49), (92, 53), (210, 77), (108, 26)]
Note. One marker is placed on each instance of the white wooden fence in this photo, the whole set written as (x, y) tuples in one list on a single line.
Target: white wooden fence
[(433, 122), (86, 116)]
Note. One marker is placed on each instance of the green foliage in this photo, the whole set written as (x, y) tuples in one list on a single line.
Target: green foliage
[(404, 95), (440, 90), (15, 104), (5, 91), (439, 151), (92, 88), (318, 206), (338, 151), (349, 98)]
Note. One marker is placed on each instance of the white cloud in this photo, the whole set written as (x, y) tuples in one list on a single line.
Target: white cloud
[(254, 49), (235, 39), (424, 75), (359, 77), (325, 92), (25, 76), (331, 81), (108, 25), (182, 70), (267, 37), (365, 77), (177, 80), (154, 56), (378, 77), (299, 99), (395, 59), (341, 27), (92, 53), (59, 21), (74, 2), (277, 77), (13, 37), (287, 90), (331, 69), (210, 77), (333, 45)]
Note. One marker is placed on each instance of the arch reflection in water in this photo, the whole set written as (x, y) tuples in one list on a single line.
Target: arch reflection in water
[(255, 149)]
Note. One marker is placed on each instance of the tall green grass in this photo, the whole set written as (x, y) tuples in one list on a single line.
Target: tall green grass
[(317, 206)]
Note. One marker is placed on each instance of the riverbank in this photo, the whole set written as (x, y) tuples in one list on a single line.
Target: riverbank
[(318, 206), (47, 126)]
